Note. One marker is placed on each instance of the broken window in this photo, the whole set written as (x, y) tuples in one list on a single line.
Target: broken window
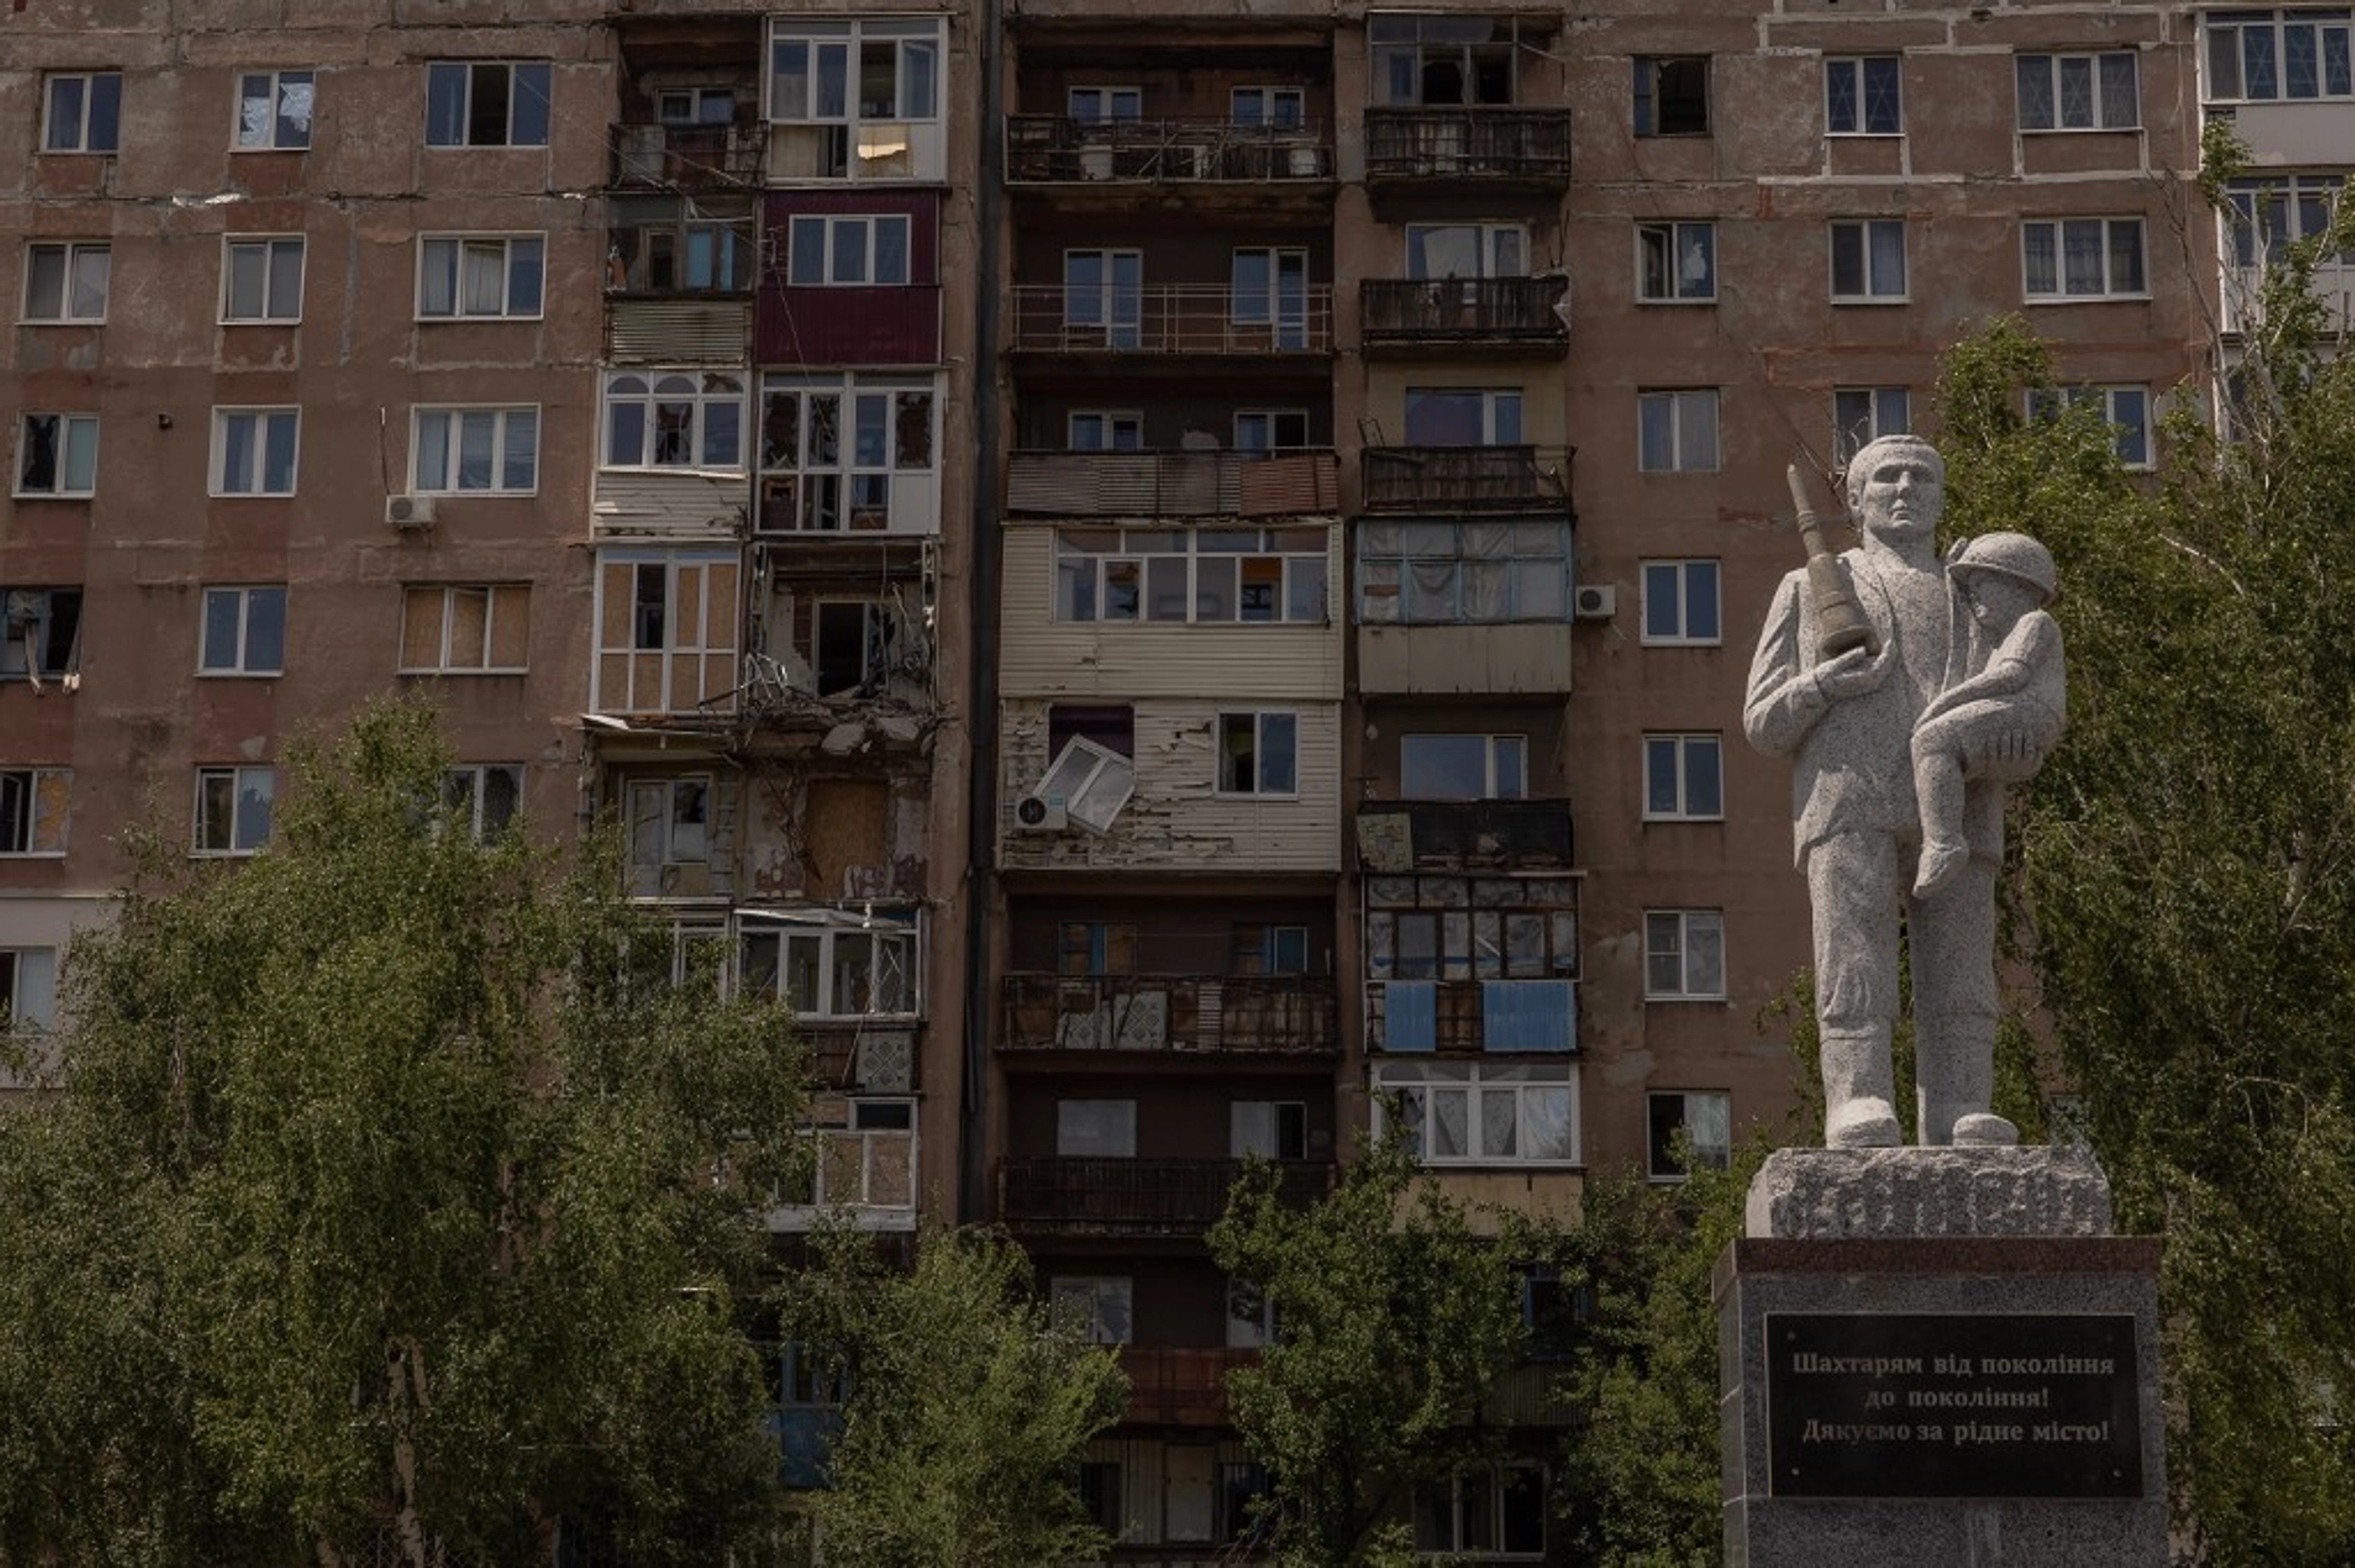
[(469, 628), (485, 795), (39, 632), (58, 455), (848, 453), (1447, 573), (27, 988), (1096, 1128), (33, 809), (1671, 95), (1436, 60), (1091, 776), (834, 964)]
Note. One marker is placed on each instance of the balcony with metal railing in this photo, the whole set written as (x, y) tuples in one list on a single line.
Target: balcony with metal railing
[(1292, 1015), (1493, 148), (1464, 478), (1203, 319), (1100, 1196), (1057, 149), (1179, 1386), (1172, 483), (1522, 314), (668, 154)]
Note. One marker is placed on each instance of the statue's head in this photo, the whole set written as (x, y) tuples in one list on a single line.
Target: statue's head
[(1897, 482)]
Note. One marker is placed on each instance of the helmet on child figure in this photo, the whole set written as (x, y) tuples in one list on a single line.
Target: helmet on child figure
[(2013, 555)]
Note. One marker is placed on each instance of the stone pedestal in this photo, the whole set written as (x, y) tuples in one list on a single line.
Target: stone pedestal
[(1940, 1357)]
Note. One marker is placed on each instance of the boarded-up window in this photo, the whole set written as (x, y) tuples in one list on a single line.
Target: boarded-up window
[(666, 630), (471, 628)]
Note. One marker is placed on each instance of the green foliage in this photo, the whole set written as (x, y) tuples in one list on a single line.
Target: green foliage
[(966, 1411), (2189, 855), (1394, 1317), (370, 1192)]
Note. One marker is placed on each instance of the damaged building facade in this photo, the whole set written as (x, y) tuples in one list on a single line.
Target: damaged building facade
[(1175, 576)]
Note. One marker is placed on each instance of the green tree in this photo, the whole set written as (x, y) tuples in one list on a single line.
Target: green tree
[(1393, 1316), (373, 1188), (2189, 858), (967, 1409)]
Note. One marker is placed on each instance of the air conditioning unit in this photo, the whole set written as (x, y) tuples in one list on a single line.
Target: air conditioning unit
[(1597, 604), (409, 511), (1041, 814)]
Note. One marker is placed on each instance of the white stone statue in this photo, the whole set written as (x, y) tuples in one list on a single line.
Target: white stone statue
[(1899, 752)]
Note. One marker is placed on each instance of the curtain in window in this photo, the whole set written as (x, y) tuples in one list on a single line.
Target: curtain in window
[(1527, 1015), (1451, 1129), (1546, 1118), (1410, 1015), (438, 293)]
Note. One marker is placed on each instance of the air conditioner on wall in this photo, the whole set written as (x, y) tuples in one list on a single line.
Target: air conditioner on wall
[(1599, 602), (1039, 814), (409, 511)]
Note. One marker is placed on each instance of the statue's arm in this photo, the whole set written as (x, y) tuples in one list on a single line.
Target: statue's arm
[(1785, 699)]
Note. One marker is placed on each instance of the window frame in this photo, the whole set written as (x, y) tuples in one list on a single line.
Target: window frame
[(28, 1005), (1685, 570), (1495, 403), (2053, 66), (2215, 25), (1691, 985), (1695, 764), (1496, 1527), (857, 482), (1495, 749), (277, 120), (1859, 68), (1502, 248), (43, 629), (76, 435), (1532, 596), (1281, 297), (72, 257), (238, 776), (1868, 261), (460, 247), (1851, 435), (516, 97), (1111, 99), (1660, 1166), (1095, 571), (1112, 308), (1659, 272), (883, 933), (35, 833), (462, 790), (98, 112), (267, 419), (2062, 293), (239, 662), (1410, 1083), (454, 418), (516, 596), (1269, 746), (1278, 108), (830, 227), (1063, 1291), (918, 91), (700, 398), (2136, 434), (268, 246), (1649, 99), (1678, 399), (1276, 422)]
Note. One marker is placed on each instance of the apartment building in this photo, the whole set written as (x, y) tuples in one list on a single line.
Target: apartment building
[(1177, 577)]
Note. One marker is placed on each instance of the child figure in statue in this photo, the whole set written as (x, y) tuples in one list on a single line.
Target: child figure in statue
[(2000, 723)]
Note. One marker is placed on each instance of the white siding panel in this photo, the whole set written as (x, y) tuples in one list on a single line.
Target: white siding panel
[(1041, 656), (1176, 819), (669, 505)]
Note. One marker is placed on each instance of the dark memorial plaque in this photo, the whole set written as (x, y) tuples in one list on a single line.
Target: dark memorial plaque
[(1953, 1405)]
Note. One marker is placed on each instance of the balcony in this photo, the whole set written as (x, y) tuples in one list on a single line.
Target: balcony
[(1431, 835), (1468, 1017), (859, 1176), (687, 156), (2333, 284), (1170, 319), (1048, 149), (1464, 478), (1493, 148), (1291, 1014), (1169, 1386), (1172, 483), (1073, 1195), (1406, 313)]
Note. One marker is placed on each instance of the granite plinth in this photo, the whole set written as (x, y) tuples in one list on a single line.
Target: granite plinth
[(1945, 1384), (1828, 1194)]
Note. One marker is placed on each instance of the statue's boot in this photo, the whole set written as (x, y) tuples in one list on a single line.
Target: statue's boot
[(1858, 1092), (1983, 1129)]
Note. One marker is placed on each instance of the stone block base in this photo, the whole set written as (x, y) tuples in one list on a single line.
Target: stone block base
[(1983, 1400), (1822, 1193)]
